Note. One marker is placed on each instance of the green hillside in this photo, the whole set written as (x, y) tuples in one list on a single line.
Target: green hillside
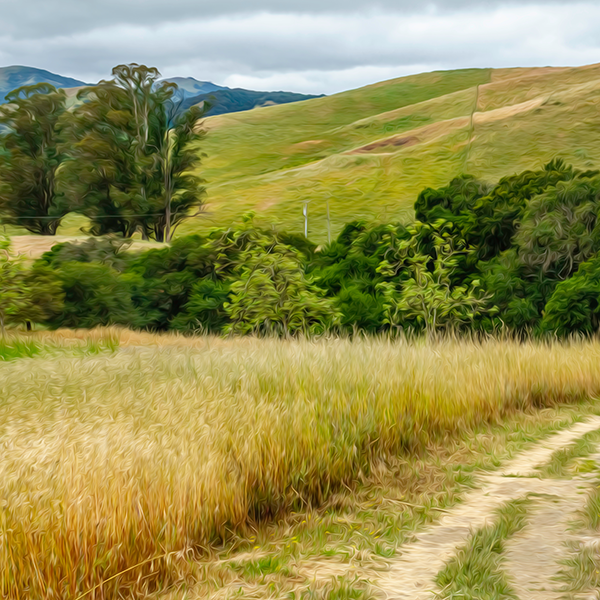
[(369, 151)]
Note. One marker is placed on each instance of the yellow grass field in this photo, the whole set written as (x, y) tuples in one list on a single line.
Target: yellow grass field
[(138, 448)]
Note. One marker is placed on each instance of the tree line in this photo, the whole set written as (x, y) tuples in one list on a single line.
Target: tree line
[(126, 156), (521, 256)]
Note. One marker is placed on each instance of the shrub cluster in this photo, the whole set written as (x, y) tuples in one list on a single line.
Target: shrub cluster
[(522, 255)]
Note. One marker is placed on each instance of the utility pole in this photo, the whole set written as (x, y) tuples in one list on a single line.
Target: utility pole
[(305, 212), (328, 224)]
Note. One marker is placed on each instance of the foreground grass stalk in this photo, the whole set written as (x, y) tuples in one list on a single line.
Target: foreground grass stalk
[(169, 444)]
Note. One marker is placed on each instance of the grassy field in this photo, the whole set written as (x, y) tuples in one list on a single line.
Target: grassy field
[(367, 153), (132, 454)]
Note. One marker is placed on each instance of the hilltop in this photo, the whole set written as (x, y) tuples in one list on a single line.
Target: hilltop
[(16, 76), (227, 100), (369, 151)]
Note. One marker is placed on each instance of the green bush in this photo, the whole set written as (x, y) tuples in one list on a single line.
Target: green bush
[(94, 295), (575, 304)]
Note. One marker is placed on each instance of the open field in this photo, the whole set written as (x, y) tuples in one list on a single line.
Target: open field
[(369, 152), (162, 449)]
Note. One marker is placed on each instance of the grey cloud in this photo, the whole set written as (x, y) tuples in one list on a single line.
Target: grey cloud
[(300, 46), (31, 18)]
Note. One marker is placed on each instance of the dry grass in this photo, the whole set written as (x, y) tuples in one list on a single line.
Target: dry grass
[(33, 246), (170, 443)]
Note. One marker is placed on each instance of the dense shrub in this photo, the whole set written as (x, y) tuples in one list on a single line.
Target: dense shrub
[(94, 294), (518, 255), (575, 304)]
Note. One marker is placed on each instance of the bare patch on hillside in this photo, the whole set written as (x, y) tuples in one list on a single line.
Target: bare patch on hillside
[(507, 111), (433, 131), (393, 141), (33, 246)]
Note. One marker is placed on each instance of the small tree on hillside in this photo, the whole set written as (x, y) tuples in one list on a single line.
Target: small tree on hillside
[(30, 157)]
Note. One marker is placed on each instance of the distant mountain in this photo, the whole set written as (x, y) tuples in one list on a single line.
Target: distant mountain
[(235, 100), (192, 91), (190, 87), (16, 76)]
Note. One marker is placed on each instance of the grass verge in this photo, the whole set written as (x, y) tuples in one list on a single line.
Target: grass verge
[(581, 571), (55, 344), (564, 463), (475, 572)]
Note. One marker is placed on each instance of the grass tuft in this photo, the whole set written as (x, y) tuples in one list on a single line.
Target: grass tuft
[(340, 588), (566, 461), (12, 348), (475, 572)]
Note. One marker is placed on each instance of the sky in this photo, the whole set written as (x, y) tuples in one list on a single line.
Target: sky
[(310, 46)]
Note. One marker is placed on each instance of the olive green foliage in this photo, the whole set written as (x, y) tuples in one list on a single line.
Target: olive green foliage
[(26, 294), (461, 266), (271, 294), (94, 295), (427, 299), (132, 155), (30, 157), (14, 297)]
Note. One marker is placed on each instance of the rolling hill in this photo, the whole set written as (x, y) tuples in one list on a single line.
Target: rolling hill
[(191, 91), (368, 152)]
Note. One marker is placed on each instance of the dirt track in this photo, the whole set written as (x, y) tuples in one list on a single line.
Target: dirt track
[(533, 555)]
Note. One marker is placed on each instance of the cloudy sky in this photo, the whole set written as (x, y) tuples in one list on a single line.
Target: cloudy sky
[(313, 46)]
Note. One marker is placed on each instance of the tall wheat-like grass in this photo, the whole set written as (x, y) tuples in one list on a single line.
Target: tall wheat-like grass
[(167, 444)]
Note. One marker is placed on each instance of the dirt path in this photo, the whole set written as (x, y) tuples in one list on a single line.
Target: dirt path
[(411, 576), (533, 555)]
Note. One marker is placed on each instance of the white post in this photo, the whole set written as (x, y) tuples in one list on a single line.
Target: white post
[(305, 211)]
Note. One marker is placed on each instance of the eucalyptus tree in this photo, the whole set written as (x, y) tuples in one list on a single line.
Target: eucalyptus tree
[(100, 176), (174, 145), (133, 155), (30, 156)]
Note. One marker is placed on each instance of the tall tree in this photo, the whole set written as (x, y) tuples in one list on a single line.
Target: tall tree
[(30, 157), (177, 159), (101, 174), (133, 155)]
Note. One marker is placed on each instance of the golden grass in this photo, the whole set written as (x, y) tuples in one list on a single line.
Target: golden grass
[(33, 246), (171, 443)]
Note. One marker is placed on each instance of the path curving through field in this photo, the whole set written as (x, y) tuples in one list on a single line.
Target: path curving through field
[(532, 556)]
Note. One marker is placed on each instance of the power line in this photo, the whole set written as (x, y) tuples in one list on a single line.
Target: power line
[(94, 217)]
